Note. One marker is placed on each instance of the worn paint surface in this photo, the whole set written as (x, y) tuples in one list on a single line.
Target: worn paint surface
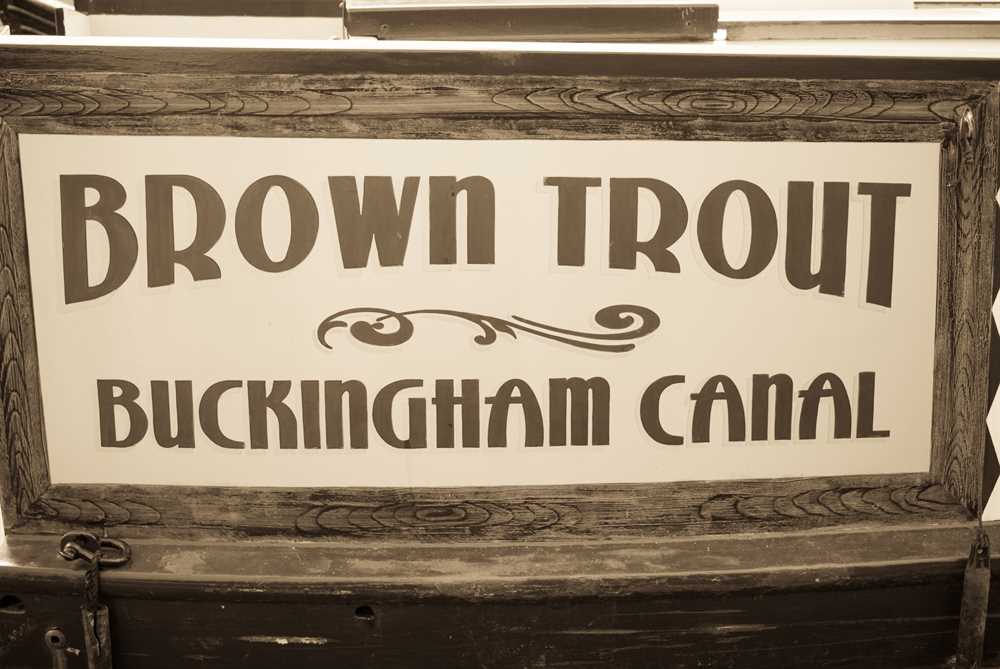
[(816, 599)]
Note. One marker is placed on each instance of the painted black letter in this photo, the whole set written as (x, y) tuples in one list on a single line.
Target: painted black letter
[(480, 208), (866, 407), (763, 229), (625, 245), (825, 385), (882, 248), (581, 395), (515, 391), (208, 413), (122, 242), (833, 255), (761, 408), (446, 401), (718, 388), (649, 411), (379, 219), (161, 414), (382, 415), (125, 397), (210, 217), (303, 219), (571, 235)]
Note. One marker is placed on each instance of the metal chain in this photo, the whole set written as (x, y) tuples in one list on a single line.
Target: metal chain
[(97, 553), (92, 585)]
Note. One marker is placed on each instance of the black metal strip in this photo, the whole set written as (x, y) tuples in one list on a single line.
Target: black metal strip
[(541, 21), (524, 62), (975, 603), (276, 8)]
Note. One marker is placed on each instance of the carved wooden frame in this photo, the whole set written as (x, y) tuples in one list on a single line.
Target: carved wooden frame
[(138, 90)]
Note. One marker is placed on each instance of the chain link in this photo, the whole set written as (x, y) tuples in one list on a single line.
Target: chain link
[(92, 585)]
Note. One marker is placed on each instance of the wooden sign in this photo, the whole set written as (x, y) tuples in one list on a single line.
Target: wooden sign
[(371, 312), (496, 320)]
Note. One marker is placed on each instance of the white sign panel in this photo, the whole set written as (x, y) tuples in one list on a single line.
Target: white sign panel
[(363, 312)]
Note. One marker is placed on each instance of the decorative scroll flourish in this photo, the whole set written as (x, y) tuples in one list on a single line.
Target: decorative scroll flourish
[(626, 320)]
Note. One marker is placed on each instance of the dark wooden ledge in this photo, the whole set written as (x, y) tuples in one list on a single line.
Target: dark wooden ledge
[(274, 8), (333, 58), (886, 598), (263, 570)]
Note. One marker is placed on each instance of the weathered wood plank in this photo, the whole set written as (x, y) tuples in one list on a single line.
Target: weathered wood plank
[(24, 465), (507, 513), (63, 95), (944, 333), (959, 461), (22, 635), (895, 629), (428, 127), (808, 599), (321, 570), (889, 628)]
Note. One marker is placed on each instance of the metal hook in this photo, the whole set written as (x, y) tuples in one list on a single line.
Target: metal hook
[(967, 132)]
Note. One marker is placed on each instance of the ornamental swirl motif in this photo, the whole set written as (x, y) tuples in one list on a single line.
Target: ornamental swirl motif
[(626, 322)]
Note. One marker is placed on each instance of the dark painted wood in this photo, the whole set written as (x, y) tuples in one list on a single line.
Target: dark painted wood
[(274, 8), (22, 635), (887, 599), (519, 21), (841, 629), (894, 627), (342, 58)]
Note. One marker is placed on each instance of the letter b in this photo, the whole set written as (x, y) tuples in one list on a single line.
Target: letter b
[(123, 248), (125, 397)]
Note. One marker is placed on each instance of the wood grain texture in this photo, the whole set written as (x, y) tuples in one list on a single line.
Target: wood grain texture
[(429, 127), (24, 462), (944, 331), (886, 598), (63, 95), (507, 513), (108, 96), (328, 571), (971, 204)]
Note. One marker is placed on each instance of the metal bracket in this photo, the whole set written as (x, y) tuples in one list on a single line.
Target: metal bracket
[(966, 132), (975, 600), (97, 553)]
